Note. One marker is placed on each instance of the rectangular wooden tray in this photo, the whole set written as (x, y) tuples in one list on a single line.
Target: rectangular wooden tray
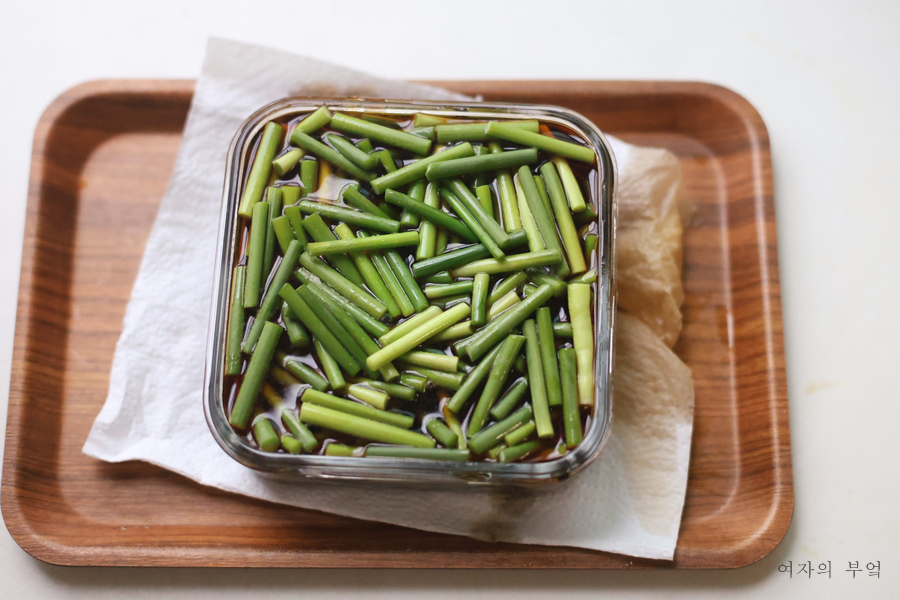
[(102, 156)]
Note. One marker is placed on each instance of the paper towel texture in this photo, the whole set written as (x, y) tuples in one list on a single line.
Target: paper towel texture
[(628, 501), (648, 239)]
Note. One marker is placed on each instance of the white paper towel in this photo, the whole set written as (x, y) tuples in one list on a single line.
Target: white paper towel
[(628, 501)]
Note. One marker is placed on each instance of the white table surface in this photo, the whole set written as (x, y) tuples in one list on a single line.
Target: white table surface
[(826, 79)]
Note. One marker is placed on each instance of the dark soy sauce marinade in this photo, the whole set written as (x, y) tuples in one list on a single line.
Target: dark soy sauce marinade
[(432, 402)]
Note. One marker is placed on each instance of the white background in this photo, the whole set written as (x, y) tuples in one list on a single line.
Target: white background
[(826, 79)]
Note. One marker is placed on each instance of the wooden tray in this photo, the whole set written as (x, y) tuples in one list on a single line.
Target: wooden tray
[(102, 156)]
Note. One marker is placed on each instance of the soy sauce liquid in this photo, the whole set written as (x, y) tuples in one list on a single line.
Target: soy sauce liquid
[(431, 403)]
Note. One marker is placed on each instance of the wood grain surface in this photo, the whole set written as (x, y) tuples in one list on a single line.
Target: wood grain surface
[(102, 156)]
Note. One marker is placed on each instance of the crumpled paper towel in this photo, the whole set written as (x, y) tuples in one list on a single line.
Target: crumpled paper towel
[(628, 501)]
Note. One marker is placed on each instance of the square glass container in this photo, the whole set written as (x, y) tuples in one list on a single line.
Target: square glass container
[(602, 193)]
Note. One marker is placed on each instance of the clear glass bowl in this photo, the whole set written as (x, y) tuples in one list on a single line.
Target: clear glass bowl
[(602, 194)]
